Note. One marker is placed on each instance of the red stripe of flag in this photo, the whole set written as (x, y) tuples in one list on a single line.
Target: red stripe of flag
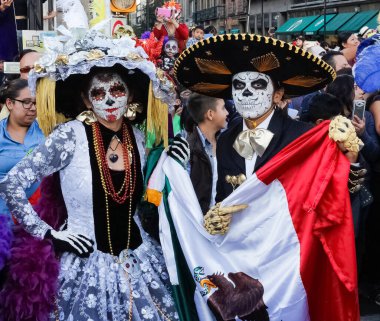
[(314, 174)]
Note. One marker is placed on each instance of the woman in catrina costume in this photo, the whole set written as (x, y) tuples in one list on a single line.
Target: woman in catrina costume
[(109, 267)]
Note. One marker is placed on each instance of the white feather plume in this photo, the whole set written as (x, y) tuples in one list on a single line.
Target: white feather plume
[(74, 14)]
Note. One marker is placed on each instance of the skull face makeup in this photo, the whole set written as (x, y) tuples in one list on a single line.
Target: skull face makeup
[(171, 48), (109, 96), (252, 93)]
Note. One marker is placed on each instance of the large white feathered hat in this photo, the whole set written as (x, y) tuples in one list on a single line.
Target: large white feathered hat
[(71, 56)]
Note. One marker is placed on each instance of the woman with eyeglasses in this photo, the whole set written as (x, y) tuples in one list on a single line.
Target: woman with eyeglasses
[(19, 132)]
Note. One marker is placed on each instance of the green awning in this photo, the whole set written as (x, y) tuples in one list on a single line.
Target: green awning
[(318, 24), (235, 31), (339, 20), (295, 25), (358, 21), (372, 24)]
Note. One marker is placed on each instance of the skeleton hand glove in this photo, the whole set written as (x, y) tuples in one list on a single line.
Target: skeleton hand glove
[(65, 241), (179, 150), (218, 219), (341, 130)]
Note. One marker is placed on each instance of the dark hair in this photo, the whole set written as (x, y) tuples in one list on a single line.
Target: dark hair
[(199, 27), (375, 96), (343, 37), (69, 92), (211, 29), (199, 104), (186, 121), (329, 57), (345, 71), (324, 106), (324, 44), (23, 53), (11, 89), (343, 88)]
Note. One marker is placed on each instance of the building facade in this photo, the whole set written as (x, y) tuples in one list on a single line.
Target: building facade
[(258, 16), (252, 16)]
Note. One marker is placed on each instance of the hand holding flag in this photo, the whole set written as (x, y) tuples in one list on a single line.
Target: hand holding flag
[(218, 219), (302, 250)]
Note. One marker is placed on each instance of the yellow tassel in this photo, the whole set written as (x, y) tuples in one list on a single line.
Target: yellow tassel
[(45, 98), (157, 118)]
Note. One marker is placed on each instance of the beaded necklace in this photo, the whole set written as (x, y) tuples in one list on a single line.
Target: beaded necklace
[(129, 184), (125, 192)]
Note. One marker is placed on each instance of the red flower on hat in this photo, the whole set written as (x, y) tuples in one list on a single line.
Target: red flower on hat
[(172, 5), (152, 47)]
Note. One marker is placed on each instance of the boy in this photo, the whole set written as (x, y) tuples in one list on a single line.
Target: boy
[(324, 106), (197, 35), (210, 115)]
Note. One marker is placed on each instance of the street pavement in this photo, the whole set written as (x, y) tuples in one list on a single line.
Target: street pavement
[(374, 317), (369, 311)]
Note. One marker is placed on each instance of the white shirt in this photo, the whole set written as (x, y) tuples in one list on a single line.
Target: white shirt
[(250, 163)]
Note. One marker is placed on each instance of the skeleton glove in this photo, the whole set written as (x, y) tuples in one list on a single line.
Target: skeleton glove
[(179, 150), (65, 241), (341, 130), (218, 219)]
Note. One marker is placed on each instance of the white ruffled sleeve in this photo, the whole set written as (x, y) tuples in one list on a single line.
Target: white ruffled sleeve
[(51, 156)]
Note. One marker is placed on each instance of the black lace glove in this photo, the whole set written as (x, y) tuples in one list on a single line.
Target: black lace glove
[(179, 150), (65, 241)]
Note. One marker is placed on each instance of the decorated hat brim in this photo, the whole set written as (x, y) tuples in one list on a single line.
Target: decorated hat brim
[(208, 66)]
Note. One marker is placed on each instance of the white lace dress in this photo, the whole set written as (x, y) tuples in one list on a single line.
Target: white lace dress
[(94, 288)]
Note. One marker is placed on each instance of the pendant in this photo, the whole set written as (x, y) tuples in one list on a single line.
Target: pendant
[(113, 158), (129, 263)]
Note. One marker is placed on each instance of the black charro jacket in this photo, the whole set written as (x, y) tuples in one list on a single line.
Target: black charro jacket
[(200, 170), (285, 130)]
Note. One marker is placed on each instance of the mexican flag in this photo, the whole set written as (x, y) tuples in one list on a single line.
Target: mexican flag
[(289, 256)]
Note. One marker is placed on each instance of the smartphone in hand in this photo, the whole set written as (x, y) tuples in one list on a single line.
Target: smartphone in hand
[(358, 108), (163, 12)]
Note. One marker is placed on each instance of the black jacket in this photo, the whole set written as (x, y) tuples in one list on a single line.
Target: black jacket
[(285, 130), (201, 170)]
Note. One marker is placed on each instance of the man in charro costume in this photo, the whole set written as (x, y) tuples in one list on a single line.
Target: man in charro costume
[(266, 70)]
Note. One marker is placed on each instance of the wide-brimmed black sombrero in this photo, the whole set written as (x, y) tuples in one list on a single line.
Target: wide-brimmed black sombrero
[(207, 67)]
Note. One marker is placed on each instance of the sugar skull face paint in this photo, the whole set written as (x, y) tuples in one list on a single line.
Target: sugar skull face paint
[(109, 96), (252, 93), (171, 48)]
